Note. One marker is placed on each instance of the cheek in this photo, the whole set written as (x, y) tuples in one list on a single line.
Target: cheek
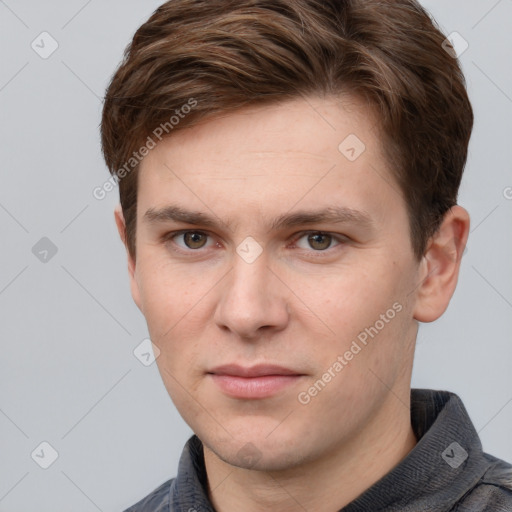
[(173, 308), (347, 300), (361, 307), (166, 292)]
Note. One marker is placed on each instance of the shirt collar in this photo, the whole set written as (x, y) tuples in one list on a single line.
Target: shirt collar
[(444, 465), (446, 462)]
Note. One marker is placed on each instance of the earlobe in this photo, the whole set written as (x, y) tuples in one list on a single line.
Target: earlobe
[(439, 268), (121, 228)]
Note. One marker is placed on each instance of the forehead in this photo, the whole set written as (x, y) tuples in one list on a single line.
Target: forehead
[(309, 126), (271, 158)]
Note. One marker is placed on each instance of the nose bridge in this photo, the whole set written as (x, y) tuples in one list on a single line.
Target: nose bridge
[(250, 278), (251, 297)]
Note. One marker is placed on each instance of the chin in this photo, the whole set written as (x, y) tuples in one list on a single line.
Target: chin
[(256, 457), (255, 449)]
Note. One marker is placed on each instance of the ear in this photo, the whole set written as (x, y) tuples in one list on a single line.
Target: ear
[(121, 228), (439, 267)]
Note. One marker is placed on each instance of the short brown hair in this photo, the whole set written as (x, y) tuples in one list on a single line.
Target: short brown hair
[(227, 54)]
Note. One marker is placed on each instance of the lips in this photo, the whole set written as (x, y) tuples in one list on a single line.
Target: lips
[(259, 370), (260, 381)]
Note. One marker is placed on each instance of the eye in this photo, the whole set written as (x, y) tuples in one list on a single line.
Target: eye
[(318, 241), (191, 240)]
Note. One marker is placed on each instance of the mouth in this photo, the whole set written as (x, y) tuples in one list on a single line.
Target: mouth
[(255, 382)]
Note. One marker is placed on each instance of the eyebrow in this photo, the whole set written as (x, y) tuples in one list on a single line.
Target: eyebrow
[(331, 214)]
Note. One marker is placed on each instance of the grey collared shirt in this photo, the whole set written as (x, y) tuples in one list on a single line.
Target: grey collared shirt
[(446, 470)]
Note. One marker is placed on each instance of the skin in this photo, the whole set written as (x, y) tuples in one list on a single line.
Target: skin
[(207, 306)]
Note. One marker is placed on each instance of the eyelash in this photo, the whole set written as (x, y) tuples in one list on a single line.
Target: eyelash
[(341, 239)]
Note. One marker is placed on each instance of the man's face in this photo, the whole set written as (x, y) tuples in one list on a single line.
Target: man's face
[(249, 291)]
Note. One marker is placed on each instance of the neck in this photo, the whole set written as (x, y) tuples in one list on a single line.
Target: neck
[(324, 485)]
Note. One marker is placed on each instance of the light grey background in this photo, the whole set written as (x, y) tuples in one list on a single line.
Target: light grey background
[(69, 327)]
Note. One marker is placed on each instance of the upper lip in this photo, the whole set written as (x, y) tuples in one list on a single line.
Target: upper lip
[(253, 371)]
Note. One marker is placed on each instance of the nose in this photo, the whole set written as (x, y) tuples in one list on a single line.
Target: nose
[(252, 301)]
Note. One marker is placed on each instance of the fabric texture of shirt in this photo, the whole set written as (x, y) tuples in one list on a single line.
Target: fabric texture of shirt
[(446, 471)]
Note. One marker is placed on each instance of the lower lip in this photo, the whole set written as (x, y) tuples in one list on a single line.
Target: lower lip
[(254, 387)]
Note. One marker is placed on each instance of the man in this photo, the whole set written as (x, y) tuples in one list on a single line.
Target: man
[(288, 176)]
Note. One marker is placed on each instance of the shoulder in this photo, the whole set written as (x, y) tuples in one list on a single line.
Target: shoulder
[(492, 492), (157, 500)]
